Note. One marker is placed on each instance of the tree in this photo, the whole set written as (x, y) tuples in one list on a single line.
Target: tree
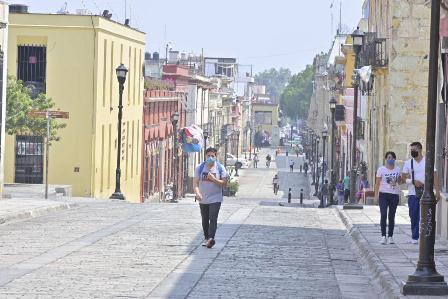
[(19, 103), (274, 80), (295, 99)]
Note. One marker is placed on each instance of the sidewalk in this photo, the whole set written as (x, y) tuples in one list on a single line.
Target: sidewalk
[(391, 263), (23, 208)]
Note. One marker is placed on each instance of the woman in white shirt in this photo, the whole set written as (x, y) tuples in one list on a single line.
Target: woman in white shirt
[(387, 192)]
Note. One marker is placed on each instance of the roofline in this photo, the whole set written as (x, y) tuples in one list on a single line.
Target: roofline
[(77, 15)]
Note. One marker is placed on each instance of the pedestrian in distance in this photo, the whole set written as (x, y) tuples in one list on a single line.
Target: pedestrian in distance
[(297, 153), (324, 193), (256, 161), (268, 160), (287, 153), (291, 165), (300, 168), (387, 192), (209, 179), (414, 176), (275, 183), (305, 168), (340, 192), (346, 183)]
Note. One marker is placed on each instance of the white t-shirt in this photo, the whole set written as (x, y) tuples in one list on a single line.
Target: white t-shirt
[(387, 177), (419, 173)]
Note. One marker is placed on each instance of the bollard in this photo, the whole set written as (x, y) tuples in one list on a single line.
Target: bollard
[(301, 196), (289, 195)]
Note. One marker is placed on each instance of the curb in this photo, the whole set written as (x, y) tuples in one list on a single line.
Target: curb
[(389, 288), (36, 212)]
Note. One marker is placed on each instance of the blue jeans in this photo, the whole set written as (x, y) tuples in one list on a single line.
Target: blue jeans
[(388, 200), (414, 214)]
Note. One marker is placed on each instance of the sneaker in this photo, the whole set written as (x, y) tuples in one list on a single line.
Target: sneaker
[(383, 240), (204, 243), (390, 240), (211, 242), (414, 241)]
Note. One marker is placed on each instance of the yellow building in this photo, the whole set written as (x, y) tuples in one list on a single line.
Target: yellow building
[(72, 58)]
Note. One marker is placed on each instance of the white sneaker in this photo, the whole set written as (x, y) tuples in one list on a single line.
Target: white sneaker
[(390, 240), (204, 243), (383, 240), (414, 241)]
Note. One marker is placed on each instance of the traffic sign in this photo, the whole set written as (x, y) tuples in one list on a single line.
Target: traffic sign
[(52, 114)]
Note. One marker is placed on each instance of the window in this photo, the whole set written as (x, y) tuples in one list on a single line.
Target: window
[(31, 67)]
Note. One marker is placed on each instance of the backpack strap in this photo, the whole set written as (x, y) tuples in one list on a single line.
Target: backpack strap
[(412, 171), (218, 165)]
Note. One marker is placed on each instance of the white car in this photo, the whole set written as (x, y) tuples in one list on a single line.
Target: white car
[(232, 161)]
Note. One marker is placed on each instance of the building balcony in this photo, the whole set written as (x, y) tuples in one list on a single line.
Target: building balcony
[(374, 52)]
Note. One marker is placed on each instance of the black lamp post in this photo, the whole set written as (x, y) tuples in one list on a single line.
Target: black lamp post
[(237, 132), (250, 142), (324, 141), (205, 134), (121, 76), (333, 137), (316, 164), (313, 157), (426, 280), (226, 140), (174, 121), (358, 42)]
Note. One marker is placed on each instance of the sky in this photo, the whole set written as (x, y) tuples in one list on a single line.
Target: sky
[(261, 33)]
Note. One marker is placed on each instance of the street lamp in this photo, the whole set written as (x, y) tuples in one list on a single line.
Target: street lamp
[(205, 134), (358, 42), (174, 121), (316, 164), (226, 140), (313, 158), (121, 72), (332, 174), (426, 280), (237, 147), (324, 140), (250, 141)]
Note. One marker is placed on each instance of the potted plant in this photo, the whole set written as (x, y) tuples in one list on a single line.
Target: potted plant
[(232, 187)]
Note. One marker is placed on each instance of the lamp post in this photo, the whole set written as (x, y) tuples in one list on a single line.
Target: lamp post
[(226, 140), (174, 121), (205, 134), (250, 142), (313, 158), (290, 137), (358, 42), (426, 280), (237, 132), (316, 164), (324, 141), (332, 173), (121, 72)]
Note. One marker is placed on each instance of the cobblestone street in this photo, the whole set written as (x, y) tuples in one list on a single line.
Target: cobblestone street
[(114, 249)]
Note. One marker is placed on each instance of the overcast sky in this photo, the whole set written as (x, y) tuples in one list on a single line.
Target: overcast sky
[(263, 33)]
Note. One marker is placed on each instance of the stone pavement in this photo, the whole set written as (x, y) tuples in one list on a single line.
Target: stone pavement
[(110, 249), (390, 264), (22, 208)]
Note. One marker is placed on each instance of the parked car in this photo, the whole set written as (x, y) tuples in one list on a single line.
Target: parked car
[(232, 161)]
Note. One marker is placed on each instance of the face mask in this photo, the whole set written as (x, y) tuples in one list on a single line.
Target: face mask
[(390, 162), (211, 160), (414, 153)]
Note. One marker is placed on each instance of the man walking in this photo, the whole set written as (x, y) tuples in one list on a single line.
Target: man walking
[(305, 168), (291, 165), (414, 175), (324, 194), (209, 179)]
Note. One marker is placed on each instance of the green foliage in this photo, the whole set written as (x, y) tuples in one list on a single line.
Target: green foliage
[(156, 85), (233, 186), (295, 99), (275, 80), (19, 103)]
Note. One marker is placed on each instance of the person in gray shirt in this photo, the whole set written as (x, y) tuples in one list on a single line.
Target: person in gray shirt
[(209, 179)]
